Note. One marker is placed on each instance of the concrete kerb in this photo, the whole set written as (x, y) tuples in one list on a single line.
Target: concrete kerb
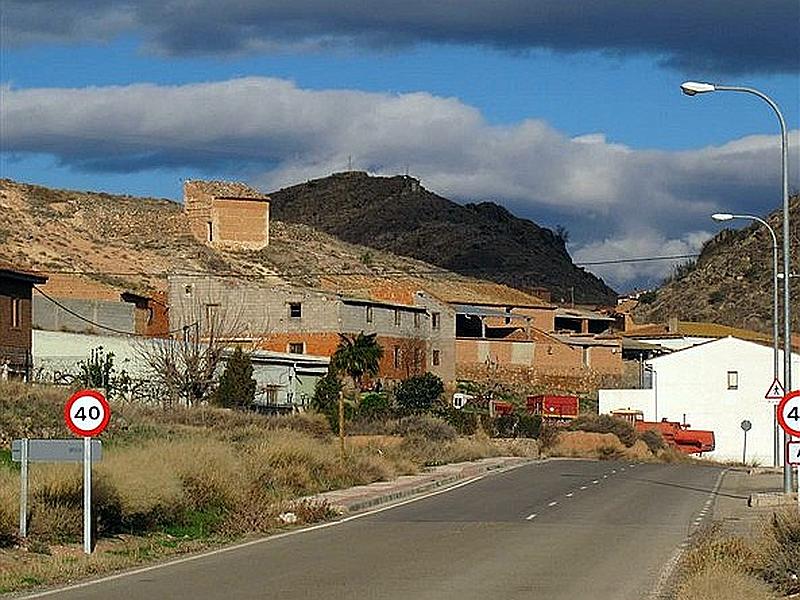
[(357, 499)]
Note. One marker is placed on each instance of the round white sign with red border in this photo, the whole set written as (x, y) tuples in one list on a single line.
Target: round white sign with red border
[(86, 413), (789, 413)]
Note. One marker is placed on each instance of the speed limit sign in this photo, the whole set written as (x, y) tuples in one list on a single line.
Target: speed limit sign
[(87, 413), (789, 413)]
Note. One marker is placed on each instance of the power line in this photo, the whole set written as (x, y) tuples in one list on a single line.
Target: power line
[(94, 323), (439, 271)]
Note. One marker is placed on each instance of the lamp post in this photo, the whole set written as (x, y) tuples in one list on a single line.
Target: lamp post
[(692, 88), (775, 343)]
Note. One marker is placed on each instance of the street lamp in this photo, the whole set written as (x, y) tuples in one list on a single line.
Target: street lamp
[(775, 276), (692, 88)]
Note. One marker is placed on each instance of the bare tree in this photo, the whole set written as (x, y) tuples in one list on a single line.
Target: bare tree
[(187, 364), (413, 351)]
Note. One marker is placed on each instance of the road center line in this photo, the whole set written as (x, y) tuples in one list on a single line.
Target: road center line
[(569, 495), (596, 481), (583, 487), (530, 517), (553, 503)]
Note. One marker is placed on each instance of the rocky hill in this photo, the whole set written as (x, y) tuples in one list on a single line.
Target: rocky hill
[(114, 243), (397, 215), (731, 281)]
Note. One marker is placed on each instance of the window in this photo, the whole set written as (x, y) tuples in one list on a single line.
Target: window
[(187, 289), (733, 380), (416, 320), (210, 231), (435, 321), (295, 310), (397, 357), (16, 314), (397, 318), (296, 347), (369, 314), (436, 358)]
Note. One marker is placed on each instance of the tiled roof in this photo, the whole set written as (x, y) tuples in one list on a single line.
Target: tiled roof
[(452, 291), (697, 329)]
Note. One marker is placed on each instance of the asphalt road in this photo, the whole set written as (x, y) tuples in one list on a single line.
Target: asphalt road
[(555, 530)]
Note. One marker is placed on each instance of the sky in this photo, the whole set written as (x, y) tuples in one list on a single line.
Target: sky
[(569, 113)]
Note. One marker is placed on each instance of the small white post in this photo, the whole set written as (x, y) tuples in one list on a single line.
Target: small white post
[(87, 495), (23, 490)]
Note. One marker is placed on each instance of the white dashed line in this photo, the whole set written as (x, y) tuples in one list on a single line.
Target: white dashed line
[(583, 487), (569, 495), (553, 503), (605, 476), (530, 517), (596, 481)]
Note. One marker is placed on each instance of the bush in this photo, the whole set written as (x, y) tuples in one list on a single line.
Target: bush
[(417, 394), (374, 405), (548, 435), (465, 423), (326, 398), (427, 427), (653, 439), (606, 424), (237, 388), (781, 552)]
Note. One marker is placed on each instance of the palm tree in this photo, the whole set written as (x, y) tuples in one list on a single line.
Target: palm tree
[(357, 355)]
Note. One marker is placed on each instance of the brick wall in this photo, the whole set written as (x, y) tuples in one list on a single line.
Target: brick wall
[(76, 286), (231, 214), (531, 380), (240, 223), (15, 337), (605, 359)]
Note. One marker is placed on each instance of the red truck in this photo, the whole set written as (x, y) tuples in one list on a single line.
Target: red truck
[(551, 406), (678, 435)]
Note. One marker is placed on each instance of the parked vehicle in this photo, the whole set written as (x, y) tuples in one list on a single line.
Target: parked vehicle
[(551, 406), (677, 435)]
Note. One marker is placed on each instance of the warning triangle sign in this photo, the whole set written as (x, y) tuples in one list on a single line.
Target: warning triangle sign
[(775, 391)]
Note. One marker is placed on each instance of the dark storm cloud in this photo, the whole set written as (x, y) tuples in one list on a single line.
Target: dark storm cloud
[(726, 36)]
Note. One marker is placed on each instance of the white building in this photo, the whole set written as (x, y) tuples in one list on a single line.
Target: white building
[(715, 386)]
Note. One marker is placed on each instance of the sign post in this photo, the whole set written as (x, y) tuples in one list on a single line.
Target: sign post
[(746, 426), (789, 419), (86, 413), (793, 458), (23, 491)]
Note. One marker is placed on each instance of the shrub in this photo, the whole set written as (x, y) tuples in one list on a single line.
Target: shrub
[(465, 423), (653, 439), (427, 427), (417, 394), (237, 388), (374, 405), (326, 398), (781, 552), (548, 435), (606, 424)]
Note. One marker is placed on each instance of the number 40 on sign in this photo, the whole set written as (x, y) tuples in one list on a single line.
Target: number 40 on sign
[(789, 413)]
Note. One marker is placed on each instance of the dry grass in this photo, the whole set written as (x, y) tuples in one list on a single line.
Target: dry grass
[(762, 566), (584, 444), (176, 481), (721, 582)]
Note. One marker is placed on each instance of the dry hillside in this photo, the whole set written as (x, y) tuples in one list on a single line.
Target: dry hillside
[(731, 281), (125, 242)]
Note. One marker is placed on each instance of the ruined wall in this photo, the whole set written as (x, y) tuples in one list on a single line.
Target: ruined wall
[(227, 214), (531, 380), (240, 223)]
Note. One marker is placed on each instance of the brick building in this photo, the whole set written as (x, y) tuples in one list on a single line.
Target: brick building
[(16, 289), (415, 337), (227, 214)]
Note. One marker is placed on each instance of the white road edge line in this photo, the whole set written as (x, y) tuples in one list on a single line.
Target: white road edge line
[(271, 538)]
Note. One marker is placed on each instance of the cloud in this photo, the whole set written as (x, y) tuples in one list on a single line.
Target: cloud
[(610, 197), (724, 36), (649, 243)]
